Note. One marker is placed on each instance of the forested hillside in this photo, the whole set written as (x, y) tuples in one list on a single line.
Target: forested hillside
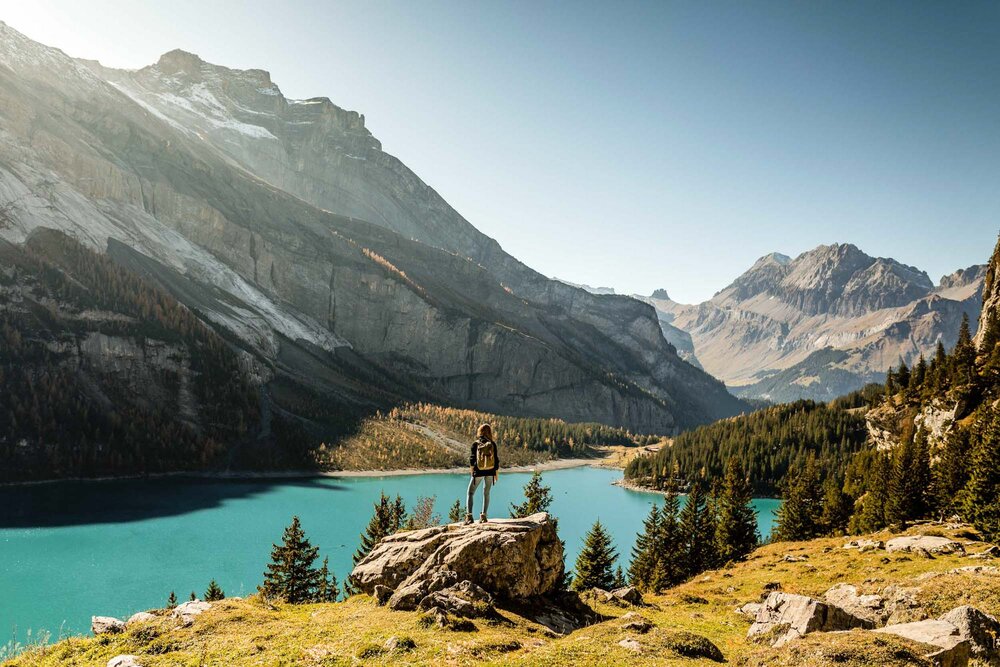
[(103, 374)]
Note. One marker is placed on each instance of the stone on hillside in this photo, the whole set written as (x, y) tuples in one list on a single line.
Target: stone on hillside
[(628, 594), (463, 599), (631, 644), (101, 625), (979, 628), (976, 569), (124, 661), (187, 611), (399, 645), (140, 617), (784, 617), (382, 594), (992, 552), (749, 610), (932, 544), (952, 650), (636, 623), (868, 607), (865, 545), (512, 559), (691, 645), (792, 558)]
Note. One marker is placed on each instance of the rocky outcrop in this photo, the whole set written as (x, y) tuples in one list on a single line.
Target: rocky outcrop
[(124, 661), (930, 543), (140, 617), (510, 559), (952, 650), (981, 630), (871, 608), (101, 625), (186, 612), (784, 617)]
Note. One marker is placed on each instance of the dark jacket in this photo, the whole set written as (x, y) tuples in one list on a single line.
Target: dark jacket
[(476, 472)]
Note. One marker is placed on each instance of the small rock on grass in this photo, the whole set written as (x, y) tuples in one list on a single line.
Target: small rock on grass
[(631, 644), (101, 625), (124, 661), (636, 623), (399, 645)]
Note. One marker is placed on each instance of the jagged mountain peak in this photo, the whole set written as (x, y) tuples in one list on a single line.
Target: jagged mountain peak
[(660, 294), (963, 277)]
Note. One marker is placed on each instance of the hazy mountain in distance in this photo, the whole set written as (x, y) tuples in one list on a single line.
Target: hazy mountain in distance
[(821, 324)]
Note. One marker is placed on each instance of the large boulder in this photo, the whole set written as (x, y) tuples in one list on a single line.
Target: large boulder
[(951, 649), (140, 617), (869, 607), (187, 611), (783, 617), (932, 544), (103, 625), (981, 630), (512, 559)]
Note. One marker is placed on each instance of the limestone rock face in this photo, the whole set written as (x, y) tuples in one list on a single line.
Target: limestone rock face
[(140, 617), (930, 543), (952, 649), (100, 625), (787, 617), (511, 559)]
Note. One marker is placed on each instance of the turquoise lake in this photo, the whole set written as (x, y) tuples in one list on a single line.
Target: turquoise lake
[(70, 550)]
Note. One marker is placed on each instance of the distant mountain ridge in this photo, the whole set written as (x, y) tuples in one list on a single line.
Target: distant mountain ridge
[(822, 324), (340, 278)]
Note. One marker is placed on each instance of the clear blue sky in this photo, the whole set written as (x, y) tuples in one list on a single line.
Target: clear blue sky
[(634, 145)]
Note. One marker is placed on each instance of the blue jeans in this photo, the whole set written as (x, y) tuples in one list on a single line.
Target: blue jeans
[(473, 483)]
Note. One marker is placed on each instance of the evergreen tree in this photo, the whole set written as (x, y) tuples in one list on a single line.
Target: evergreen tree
[(594, 565), (802, 507), (214, 593), (890, 382), (387, 519), (697, 532), (876, 470), (919, 374), (172, 600), (619, 578), (736, 530), (290, 574), (951, 472), (836, 508), (963, 357), (669, 548), (328, 590), (455, 514), (537, 498), (903, 376), (982, 494), (910, 481), (990, 335), (644, 552)]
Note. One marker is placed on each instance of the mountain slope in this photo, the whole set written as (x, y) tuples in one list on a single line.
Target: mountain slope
[(333, 309), (822, 324)]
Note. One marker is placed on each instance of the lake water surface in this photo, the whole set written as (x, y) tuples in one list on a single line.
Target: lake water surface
[(70, 550)]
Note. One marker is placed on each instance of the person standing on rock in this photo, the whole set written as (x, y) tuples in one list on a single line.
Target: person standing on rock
[(484, 461)]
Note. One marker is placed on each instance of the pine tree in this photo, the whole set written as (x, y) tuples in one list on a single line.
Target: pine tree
[(874, 501), (668, 547), (619, 578), (802, 507), (903, 376), (836, 507), (194, 596), (328, 590), (538, 498), (951, 472), (594, 565), (697, 532), (919, 374), (910, 481), (290, 574), (386, 520), (963, 357), (455, 514), (736, 530), (214, 593), (172, 600), (982, 494), (644, 552)]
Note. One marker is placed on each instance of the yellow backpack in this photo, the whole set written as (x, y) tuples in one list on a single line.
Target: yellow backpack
[(486, 457)]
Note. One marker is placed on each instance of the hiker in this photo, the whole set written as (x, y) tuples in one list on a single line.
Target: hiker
[(484, 461)]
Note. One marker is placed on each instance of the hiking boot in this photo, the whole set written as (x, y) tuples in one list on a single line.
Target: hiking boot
[(468, 519), (482, 518)]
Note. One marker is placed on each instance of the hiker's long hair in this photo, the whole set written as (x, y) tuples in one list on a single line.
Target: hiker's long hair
[(485, 432)]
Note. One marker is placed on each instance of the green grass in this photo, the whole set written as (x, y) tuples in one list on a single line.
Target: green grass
[(354, 632)]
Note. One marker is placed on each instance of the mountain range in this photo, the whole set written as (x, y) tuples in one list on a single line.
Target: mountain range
[(341, 282), (820, 325)]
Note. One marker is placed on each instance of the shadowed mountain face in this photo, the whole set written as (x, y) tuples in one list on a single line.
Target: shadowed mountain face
[(822, 324), (342, 279)]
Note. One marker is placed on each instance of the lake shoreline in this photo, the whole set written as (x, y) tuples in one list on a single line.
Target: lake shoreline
[(543, 466)]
